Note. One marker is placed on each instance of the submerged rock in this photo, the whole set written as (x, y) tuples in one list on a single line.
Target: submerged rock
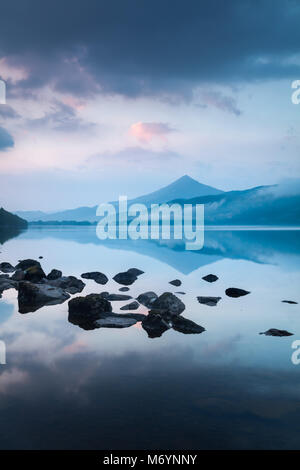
[(211, 301), (116, 320), (98, 277), (167, 305), (132, 306), (7, 267), (32, 296), (124, 289), (115, 297), (88, 309), (54, 274), (176, 282), (69, 283), (292, 302), (235, 292), (183, 325), (275, 332), (210, 278), (155, 325), (181, 293), (147, 298)]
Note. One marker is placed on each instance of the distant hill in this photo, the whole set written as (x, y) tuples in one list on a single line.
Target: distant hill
[(263, 205), (184, 188), (8, 220)]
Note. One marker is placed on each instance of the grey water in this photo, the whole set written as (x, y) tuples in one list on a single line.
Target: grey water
[(227, 388)]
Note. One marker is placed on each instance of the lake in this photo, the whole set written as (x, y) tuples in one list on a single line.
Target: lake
[(226, 388)]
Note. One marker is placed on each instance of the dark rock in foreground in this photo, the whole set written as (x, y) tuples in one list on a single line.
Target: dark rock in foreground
[(7, 267), (31, 296), (69, 283), (147, 299), (18, 275), (175, 283), (27, 263), (155, 325), (54, 274), (128, 277), (210, 278), (88, 309), (34, 273), (132, 306), (93, 311), (167, 305), (185, 326), (211, 301), (292, 302), (275, 332), (98, 277), (235, 292), (124, 289)]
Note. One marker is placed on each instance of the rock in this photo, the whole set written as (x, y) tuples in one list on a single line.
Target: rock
[(7, 283), (125, 278), (147, 299), (234, 292), (211, 301), (41, 257), (210, 278), (124, 289), (34, 296), (132, 306), (4, 276), (113, 297), (27, 263), (69, 283), (34, 273), (135, 271), (98, 277), (18, 275), (155, 325), (54, 274), (116, 320), (7, 267), (289, 302), (167, 305), (176, 282), (88, 309), (183, 325), (275, 332), (181, 293)]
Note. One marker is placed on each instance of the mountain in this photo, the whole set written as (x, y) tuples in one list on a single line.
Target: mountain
[(183, 188), (263, 205), (8, 220)]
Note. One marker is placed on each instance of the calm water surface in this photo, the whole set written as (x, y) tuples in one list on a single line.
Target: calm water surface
[(227, 388)]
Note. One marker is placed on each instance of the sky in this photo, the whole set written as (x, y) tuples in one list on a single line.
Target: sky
[(124, 96)]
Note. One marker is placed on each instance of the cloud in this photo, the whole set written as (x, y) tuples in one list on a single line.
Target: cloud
[(146, 131), (148, 48), (7, 112), (132, 155), (220, 101), (6, 140), (61, 117)]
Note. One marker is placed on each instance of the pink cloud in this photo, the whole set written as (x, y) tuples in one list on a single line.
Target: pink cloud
[(146, 131)]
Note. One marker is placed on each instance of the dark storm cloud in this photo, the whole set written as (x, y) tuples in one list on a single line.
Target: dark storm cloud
[(136, 47), (6, 140)]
